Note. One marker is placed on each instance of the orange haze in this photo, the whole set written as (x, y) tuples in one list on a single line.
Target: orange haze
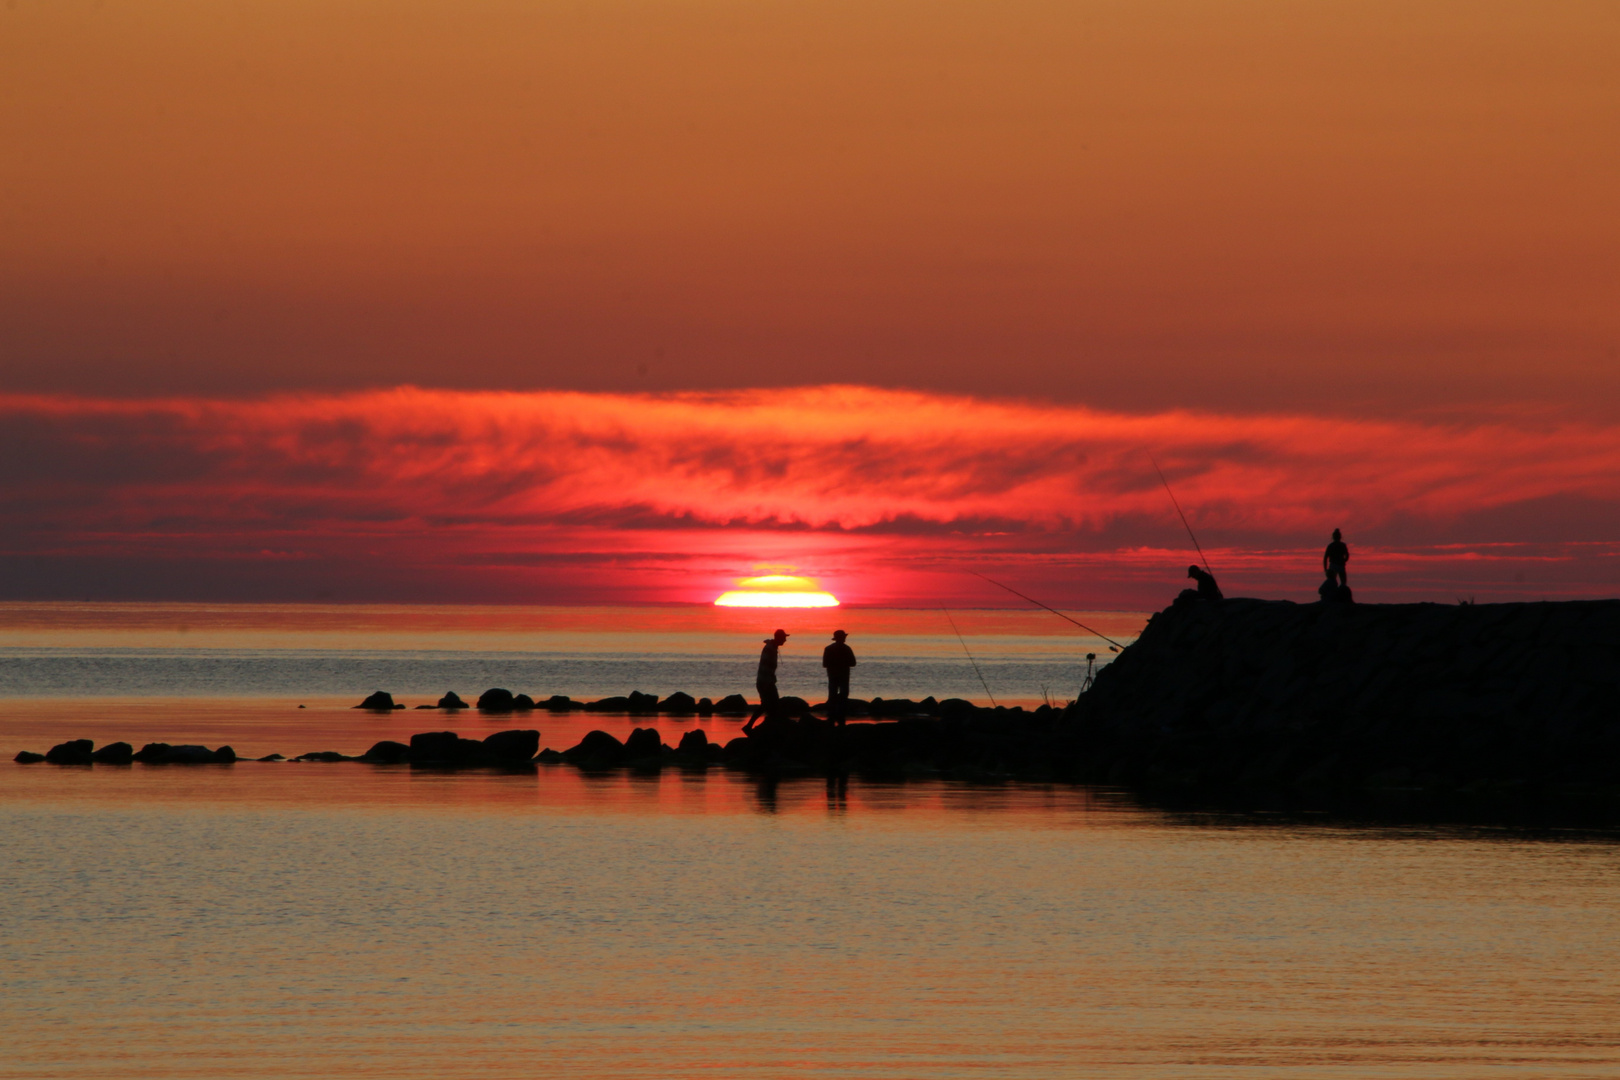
[(1271, 206)]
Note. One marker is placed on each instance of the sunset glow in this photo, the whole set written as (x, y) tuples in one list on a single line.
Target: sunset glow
[(776, 591)]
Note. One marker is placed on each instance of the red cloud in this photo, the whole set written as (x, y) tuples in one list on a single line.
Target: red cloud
[(888, 495)]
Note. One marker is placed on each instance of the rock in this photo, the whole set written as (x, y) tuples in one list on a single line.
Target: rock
[(77, 752), (609, 704), (379, 701), (522, 703), (451, 700), (225, 755), (694, 742), (640, 703), (548, 756), (560, 703), (495, 700), (151, 752), (705, 707), (118, 753), (513, 746), (732, 705), (164, 754), (597, 748), (323, 755), (271, 757), (28, 757), (434, 748), (387, 752), (643, 743), (679, 704)]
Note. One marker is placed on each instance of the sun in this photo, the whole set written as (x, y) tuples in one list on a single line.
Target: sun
[(777, 591)]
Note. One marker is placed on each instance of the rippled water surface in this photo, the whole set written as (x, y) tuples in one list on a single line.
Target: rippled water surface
[(302, 920)]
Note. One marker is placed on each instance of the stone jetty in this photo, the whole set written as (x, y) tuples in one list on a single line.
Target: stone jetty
[(1339, 697)]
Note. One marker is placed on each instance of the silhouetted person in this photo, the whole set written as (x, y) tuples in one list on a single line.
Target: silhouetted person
[(1334, 558), (770, 702), (838, 658), (1332, 592), (1207, 589)]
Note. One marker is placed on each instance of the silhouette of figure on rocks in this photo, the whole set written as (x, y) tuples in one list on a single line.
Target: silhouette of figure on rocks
[(1332, 592), (1334, 558), (1206, 590), (770, 702), (838, 658)]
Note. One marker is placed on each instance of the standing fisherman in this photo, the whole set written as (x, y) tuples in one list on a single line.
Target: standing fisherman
[(838, 658), (1333, 560), (770, 702)]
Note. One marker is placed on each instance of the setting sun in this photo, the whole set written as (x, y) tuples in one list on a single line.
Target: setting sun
[(777, 591)]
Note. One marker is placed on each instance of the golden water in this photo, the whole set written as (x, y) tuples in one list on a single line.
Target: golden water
[(278, 920)]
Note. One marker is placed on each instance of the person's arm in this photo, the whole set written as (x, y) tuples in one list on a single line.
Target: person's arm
[(1325, 560), (851, 654)]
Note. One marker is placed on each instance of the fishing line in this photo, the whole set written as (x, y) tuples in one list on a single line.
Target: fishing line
[(1196, 546), (972, 661), (1116, 646)]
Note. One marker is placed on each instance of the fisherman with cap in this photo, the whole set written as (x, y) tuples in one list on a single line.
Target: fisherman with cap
[(1207, 589), (1334, 558), (770, 702), (838, 658)]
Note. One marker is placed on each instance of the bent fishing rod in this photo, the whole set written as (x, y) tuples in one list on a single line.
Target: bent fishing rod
[(1113, 646), (1196, 545), (972, 661)]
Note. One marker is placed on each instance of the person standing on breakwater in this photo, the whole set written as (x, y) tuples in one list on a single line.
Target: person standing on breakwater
[(1207, 589), (838, 658), (770, 702), (1333, 560)]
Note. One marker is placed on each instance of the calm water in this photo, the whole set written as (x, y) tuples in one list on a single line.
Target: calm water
[(280, 920)]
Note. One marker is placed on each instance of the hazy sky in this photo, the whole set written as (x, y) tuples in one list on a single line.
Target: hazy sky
[(1369, 206), (1351, 264)]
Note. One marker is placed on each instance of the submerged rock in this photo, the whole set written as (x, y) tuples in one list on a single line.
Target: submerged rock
[(28, 757)]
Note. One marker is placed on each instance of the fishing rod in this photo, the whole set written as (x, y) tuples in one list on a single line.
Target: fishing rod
[(1196, 546), (1113, 646), (972, 661)]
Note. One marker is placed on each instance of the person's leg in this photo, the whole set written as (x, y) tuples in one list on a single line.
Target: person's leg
[(762, 710), (770, 700), (838, 697)]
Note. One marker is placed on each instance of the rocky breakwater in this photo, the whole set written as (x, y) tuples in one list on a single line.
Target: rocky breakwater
[(1469, 698)]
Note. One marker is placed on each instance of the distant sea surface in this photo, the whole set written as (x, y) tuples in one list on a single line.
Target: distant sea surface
[(419, 652), (280, 920)]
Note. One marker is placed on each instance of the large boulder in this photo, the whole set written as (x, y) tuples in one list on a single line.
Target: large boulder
[(560, 703), (695, 742), (451, 700), (597, 748), (118, 753), (387, 752), (609, 704), (642, 704), (495, 700), (679, 704), (513, 747), (643, 743), (732, 705), (379, 701), (522, 703), (76, 752), (434, 748), (164, 754)]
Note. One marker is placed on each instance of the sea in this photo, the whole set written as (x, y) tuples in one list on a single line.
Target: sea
[(280, 919)]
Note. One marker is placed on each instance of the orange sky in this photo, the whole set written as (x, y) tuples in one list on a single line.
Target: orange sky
[(1336, 263), (1249, 206)]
